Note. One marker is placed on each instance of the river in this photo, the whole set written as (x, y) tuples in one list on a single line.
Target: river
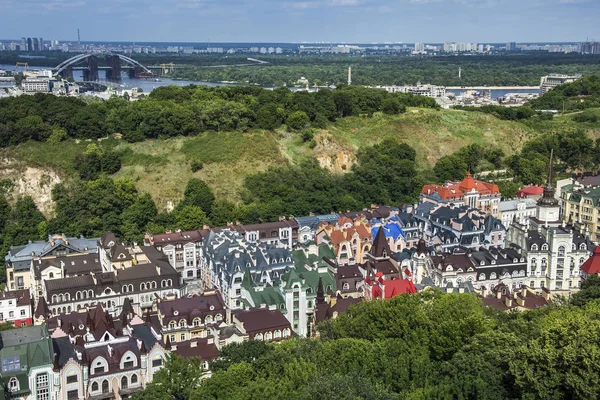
[(147, 85)]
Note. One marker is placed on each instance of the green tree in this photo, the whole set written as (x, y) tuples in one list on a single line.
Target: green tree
[(392, 106), (190, 218), (450, 168), (197, 193), (590, 291), (297, 121), (176, 380)]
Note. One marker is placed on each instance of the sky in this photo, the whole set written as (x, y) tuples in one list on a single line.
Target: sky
[(346, 21)]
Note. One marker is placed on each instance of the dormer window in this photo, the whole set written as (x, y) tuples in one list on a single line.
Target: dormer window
[(544, 246), (13, 384), (534, 247)]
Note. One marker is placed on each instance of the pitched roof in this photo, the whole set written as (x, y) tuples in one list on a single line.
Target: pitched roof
[(380, 247), (260, 319), (592, 265), (457, 190)]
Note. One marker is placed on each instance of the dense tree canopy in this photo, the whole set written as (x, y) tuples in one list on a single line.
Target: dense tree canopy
[(426, 346)]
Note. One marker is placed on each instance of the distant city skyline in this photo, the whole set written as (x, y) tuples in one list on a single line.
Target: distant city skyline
[(288, 21)]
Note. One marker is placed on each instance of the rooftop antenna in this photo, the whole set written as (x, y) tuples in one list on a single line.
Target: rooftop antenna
[(78, 38)]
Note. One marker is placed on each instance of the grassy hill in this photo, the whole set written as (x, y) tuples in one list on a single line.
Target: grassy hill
[(162, 167)]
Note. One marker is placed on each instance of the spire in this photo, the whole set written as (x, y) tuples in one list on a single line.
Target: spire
[(380, 248), (143, 348), (549, 182), (55, 365), (421, 246), (148, 319), (168, 343), (320, 292), (42, 309)]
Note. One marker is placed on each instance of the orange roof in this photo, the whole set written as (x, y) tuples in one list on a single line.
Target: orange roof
[(592, 265), (457, 190), (394, 287)]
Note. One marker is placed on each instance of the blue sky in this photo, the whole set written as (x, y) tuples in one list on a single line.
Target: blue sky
[(349, 21)]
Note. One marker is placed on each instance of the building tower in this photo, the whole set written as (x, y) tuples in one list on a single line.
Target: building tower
[(349, 75), (459, 72), (548, 209), (78, 38)]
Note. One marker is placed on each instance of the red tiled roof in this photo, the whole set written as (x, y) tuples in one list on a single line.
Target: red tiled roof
[(457, 190), (530, 191), (392, 288), (592, 265)]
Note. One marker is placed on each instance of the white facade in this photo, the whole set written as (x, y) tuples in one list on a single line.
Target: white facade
[(521, 209)]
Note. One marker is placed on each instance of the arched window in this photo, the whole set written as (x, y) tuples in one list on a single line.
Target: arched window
[(134, 379), (573, 246), (169, 282), (258, 336), (268, 336), (582, 246), (105, 386), (482, 277), (345, 286), (581, 261), (534, 247), (124, 288), (124, 382), (154, 285), (131, 288), (544, 246), (172, 324), (163, 283), (95, 387), (182, 323), (54, 298), (534, 262), (277, 334), (90, 293), (13, 384), (51, 275), (77, 295), (218, 318), (60, 298), (142, 286), (196, 321), (493, 275), (208, 319), (286, 332), (561, 251), (543, 262), (515, 273)]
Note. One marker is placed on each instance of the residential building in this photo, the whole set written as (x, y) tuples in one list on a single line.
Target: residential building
[(351, 240), (192, 317), (392, 228), (27, 364), (590, 48), (36, 85), (97, 356), (502, 298), (19, 258), (226, 257), (16, 307), (263, 324), (151, 276), (329, 307), (554, 250), (282, 233), (183, 250), (551, 81), (519, 209), (307, 226), (447, 227), (471, 192)]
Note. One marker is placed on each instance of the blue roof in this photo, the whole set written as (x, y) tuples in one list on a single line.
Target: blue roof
[(390, 230)]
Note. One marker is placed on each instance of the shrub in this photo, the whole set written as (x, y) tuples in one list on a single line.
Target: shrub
[(196, 165)]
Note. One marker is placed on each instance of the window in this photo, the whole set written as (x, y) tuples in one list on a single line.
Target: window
[(11, 314), (13, 384), (41, 384), (346, 286), (99, 370), (544, 246), (51, 275), (73, 394), (11, 364), (172, 337), (22, 313), (190, 274), (561, 251), (258, 336), (124, 382), (277, 334), (128, 364), (286, 332), (157, 363), (219, 318), (493, 275), (268, 336), (182, 323), (95, 387), (482, 277), (105, 386), (134, 379), (208, 319), (196, 321), (72, 379), (172, 325), (534, 247)]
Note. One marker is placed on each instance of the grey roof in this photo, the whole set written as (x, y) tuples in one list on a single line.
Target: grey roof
[(21, 256), (313, 221), (511, 205), (29, 334), (69, 283)]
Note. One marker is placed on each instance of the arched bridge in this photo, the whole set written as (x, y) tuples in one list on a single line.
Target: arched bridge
[(89, 64)]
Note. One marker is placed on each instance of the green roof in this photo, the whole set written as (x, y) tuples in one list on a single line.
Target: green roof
[(24, 349), (592, 194), (268, 295)]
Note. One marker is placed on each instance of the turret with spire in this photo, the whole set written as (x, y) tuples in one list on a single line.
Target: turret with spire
[(548, 198)]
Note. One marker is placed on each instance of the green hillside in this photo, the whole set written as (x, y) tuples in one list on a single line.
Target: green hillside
[(162, 167)]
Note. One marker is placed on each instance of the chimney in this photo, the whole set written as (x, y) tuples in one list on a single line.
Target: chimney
[(520, 300), (484, 292), (524, 291), (193, 344), (499, 294), (546, 294), (508, 301)]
